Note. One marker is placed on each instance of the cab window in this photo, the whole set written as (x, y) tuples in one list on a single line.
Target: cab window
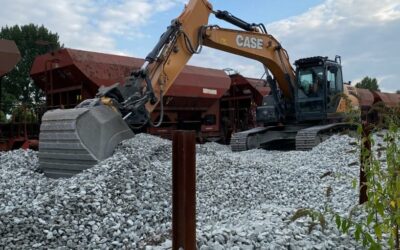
[(334, 87), (310, 80), (334, 80)]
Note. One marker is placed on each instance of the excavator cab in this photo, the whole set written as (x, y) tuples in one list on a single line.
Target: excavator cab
[(319, 87), (317, 93)]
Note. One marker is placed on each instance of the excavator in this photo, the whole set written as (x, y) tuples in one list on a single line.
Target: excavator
[(305, 105)]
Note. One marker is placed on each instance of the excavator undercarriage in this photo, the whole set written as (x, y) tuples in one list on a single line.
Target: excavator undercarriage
[(290, 137)]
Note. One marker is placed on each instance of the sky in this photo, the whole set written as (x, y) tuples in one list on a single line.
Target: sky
[(365, 33)]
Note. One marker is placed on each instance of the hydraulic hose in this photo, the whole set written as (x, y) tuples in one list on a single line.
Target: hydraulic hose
[(161, 112)]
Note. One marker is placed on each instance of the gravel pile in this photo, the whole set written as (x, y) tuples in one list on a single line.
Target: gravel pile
[(244, 200)]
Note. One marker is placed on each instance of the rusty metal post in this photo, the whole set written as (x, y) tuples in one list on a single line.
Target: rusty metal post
[(1, 94), (184, 190), (364, 158)]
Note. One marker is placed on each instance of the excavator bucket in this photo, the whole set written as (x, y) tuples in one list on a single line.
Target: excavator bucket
[(72, 140)]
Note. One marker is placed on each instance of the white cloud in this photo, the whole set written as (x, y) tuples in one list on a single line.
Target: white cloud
[(124, 17), (366, 33), (86, 24)]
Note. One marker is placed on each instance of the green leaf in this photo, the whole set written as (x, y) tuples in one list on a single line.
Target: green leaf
[(358, 232), (379, 187), (322, 221), (338, 221), (375, 246), (370, 239), (380, 209), (348, 225), (370, 218), (359, 130), (302, 212), (365, 241), (345, 225), (354, 183), (378, 231)]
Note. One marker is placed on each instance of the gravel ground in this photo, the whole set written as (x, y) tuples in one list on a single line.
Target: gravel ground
[(244, 200)]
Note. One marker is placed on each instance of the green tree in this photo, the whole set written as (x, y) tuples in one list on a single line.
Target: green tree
[(368, 83), (32, 40), (398, 92), (3, 117)]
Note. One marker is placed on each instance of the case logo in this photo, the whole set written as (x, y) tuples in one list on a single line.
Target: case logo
[(249, 42)]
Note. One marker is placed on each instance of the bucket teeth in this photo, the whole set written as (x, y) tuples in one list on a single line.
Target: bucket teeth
[(76, 139)]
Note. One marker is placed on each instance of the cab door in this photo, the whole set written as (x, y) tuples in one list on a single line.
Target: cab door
[(310, 94), (334, 87)]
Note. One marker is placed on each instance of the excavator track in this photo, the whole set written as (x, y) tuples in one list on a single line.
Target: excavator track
[(308, 138), (241, 141)]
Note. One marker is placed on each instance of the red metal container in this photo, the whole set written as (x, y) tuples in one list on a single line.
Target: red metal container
[(365, 97), (68, 76), (389, 99), (9, 56), (80, 73)]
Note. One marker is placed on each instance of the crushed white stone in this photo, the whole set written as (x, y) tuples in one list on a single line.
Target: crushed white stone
[(244, 200)]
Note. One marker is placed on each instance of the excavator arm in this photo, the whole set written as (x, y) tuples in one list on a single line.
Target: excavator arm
[(175, 48), (184, 38), (144, 90), (76, 139)]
